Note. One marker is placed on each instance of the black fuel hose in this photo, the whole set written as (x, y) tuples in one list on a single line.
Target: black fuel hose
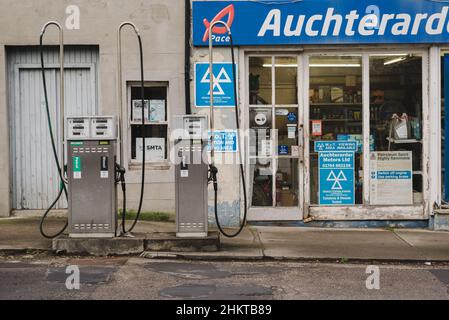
[(62, 187), (214, 170), (142, 186)]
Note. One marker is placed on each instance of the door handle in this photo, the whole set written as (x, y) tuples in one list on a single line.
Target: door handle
[(301, 143)]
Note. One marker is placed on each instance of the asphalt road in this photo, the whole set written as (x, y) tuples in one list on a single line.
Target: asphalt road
[(44, 277)]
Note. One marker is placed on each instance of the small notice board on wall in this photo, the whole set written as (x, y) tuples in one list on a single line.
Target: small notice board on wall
[(391, 178)]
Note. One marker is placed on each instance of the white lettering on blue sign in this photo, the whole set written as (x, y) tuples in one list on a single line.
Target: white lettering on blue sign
[(324, 21), (336, 178), (223, 85), (224, 141), (328, 146)]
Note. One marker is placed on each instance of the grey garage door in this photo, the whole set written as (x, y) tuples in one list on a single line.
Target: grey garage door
[(34, 174)]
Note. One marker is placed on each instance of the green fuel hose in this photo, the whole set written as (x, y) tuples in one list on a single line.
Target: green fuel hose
[(62, 187)]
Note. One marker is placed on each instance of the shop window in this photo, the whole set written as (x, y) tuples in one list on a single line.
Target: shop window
[(260, 81), (286, 70), (396, 129), (273, 122), (336, 115), (156, 124)]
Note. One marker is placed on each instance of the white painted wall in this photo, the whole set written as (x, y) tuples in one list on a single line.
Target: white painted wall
[(162, 27)]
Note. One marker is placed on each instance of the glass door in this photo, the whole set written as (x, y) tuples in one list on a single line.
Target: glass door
[(273, 138)]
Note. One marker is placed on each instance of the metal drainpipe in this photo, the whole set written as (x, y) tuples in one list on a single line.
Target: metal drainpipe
[(187, 51)]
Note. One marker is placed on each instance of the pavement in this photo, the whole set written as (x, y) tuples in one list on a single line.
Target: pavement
[(268, 243)]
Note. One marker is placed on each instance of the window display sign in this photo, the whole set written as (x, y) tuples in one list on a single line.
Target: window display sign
[(225, 141), (223, 85), (137, 110), (260, 135), (154, 149), (260, 118), (317, 128), (266, 149), (328, 146), (391, 176), (291, 131), (157, 110), (336, 178)]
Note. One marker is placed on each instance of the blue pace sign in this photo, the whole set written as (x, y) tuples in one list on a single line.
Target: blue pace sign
[(284, 22)]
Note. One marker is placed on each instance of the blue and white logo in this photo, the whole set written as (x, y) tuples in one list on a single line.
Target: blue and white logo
[(223, 85), (283, 150), (291, 117), (336, 177)]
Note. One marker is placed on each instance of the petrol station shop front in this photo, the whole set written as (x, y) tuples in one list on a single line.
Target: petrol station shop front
[(344, 102)]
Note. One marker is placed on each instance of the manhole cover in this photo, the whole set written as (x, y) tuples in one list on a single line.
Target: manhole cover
[(188, 291), (248, 291)]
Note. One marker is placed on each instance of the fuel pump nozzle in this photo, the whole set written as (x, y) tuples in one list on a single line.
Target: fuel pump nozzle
[(213, 173)]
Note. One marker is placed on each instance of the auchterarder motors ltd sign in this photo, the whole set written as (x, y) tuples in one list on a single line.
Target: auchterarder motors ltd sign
[(284, 22)]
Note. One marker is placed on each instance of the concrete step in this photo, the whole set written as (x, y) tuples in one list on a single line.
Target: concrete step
[(140, 242), (168, 242)]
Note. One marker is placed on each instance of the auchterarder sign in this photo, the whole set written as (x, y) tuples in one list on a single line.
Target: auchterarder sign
[(322, 21)]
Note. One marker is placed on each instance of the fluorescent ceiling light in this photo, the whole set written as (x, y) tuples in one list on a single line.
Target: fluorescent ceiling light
[(389, 55), (317, 65), (286, 65), (335, 65), (393, 61)]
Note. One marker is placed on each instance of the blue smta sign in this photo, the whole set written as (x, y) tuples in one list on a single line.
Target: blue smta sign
[(223, 85), (280, 22), (336, 178), (225, 141)]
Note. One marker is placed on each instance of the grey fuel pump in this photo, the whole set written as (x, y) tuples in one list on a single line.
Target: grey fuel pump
[(191, 168), (89, 180)]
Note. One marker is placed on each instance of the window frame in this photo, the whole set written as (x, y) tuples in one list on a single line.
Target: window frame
[(273, 106), (134, 163), (366, 211)]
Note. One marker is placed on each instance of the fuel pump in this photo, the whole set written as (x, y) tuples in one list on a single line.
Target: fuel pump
[(213, 170), (89, 180)]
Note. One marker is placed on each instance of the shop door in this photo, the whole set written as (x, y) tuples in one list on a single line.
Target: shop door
[(275, 140)]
